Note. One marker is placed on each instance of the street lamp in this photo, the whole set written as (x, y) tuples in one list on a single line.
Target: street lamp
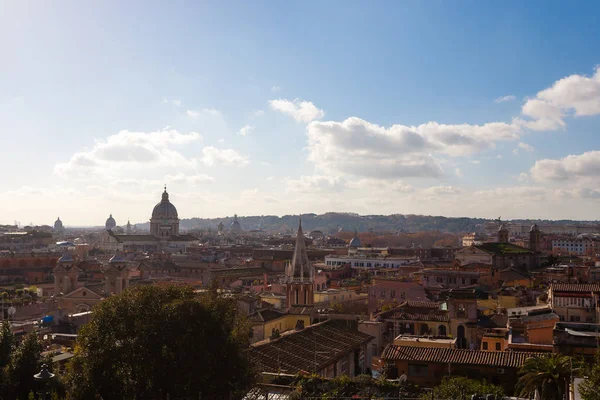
[(43, 376)]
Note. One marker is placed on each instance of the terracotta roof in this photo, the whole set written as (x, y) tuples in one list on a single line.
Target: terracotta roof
[(399, 313), (135, 238), (540, 317), (297, 351), (421, 304), (575, 287), (507, 359)]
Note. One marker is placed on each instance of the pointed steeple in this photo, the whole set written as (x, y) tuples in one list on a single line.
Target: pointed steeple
[(300, 268)]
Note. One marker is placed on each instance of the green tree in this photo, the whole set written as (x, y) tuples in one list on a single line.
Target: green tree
[(548, 375), (589, 387), (153, 342), (7, 341), (459, 387), (25, 361)]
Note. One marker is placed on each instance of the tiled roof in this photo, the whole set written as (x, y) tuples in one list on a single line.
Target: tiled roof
[(421, 304), (298, 351), (507, 359), (575, 287), (136, 238), (301, 310), (540, 317), (267, 315), (399, 313), (502, 248)]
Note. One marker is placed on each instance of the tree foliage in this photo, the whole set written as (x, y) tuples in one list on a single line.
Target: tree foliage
[(548, 375), (459, 387), (24, 362), (590, 387), (154, 342)]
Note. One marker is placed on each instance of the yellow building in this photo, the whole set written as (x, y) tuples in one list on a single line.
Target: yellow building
[(341, 295), (494, 340), (268, 323)]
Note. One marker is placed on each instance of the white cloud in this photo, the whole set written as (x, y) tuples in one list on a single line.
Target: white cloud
[(133, 150), (504, 99), (458, 172), (301, 111), (577, 95), (360, 148), (523, 177), (474, 161), (212, 156), (257, 113), (205, 111), (246, 130), (524, 146), (222, 140), (275, 89), (572, 167)]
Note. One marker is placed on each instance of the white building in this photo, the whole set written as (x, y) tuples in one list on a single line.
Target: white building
[(369, 262)]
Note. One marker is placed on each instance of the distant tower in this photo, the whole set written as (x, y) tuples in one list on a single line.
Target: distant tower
[(235, 225), (65, 274), (128, 228), (355, 242), (220, 229), (502, 234), (110, 223), (116, 275), (534, 238), (299, 274)]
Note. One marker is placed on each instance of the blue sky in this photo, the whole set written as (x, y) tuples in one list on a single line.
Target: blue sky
[(294, 107)]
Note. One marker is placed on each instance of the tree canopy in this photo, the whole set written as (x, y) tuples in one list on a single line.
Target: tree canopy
[(548, 375), (459, 387), (589, 388), (153, 342)]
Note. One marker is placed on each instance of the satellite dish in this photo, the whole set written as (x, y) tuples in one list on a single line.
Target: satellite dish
[(11, 310), (403, 378)]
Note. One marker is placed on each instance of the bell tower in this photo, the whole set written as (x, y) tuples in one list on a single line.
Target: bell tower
[(299, 274), (65, 274), (534, 238), (502, 234), (116, 275)]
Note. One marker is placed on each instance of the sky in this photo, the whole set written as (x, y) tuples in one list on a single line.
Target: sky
[(468, 108)]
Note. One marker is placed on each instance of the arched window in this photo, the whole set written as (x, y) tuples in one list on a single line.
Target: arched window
[(442, 330)]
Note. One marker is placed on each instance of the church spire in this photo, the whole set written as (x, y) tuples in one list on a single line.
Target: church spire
[(300, 268)]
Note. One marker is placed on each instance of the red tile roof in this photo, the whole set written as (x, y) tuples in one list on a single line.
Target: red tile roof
[(505, 359), (575, 287), (298, 351)]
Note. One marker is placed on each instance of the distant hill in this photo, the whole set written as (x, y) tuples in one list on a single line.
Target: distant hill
[(333, 222)]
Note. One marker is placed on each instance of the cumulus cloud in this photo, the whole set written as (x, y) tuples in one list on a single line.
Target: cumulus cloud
[(358, 147), (504, 99), (301, 111), (133, 149), (577, 95), (524, 146), (458, 172), (572, 167), (246, 130), (212, 156)]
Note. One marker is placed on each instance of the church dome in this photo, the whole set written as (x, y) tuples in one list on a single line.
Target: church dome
[(110, 223), (58, 225), (164, 209)]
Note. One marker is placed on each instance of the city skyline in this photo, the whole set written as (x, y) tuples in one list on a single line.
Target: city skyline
[(258, 108)]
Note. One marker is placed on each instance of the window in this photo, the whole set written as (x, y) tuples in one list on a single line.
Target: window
[(497, 346), (374, 350), (463, 281), (485, 345), (382, 294), (418, 370), (392, 294)]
